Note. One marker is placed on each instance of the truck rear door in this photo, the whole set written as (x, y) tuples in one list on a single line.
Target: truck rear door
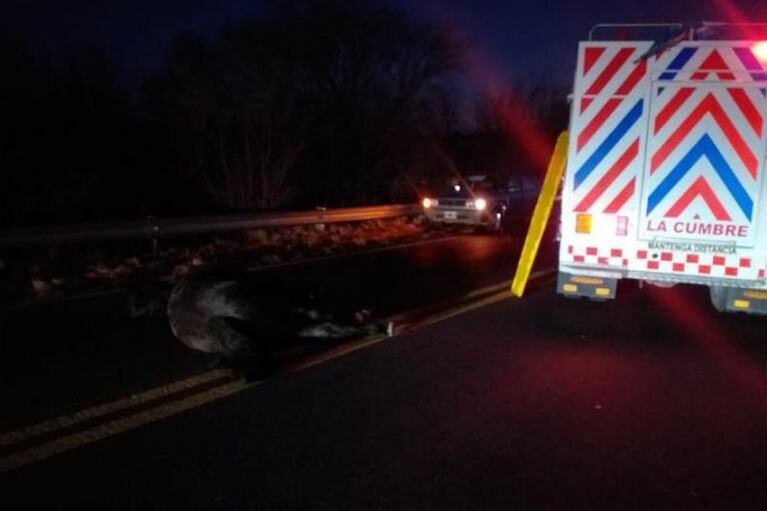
[(703, 170)]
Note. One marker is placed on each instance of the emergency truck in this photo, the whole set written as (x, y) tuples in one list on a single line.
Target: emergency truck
[(664, 181)]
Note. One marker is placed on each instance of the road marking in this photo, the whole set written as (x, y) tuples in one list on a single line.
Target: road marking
[(436, 318), (100, 432), (65, 421), (505, 284), (143, 417), (338, 352)]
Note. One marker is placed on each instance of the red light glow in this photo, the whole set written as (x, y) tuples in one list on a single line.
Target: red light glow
[(760, 51), (622, 229)]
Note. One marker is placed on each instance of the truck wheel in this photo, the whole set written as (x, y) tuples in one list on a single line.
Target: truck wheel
[(497, 227), (718, 297), (493, 229)]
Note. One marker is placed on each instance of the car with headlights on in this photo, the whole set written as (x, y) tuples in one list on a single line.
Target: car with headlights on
[(472, 201), (480, 201)]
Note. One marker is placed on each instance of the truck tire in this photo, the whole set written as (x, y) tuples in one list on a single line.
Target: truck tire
[(718, 297), (496, 226), (500, 226)]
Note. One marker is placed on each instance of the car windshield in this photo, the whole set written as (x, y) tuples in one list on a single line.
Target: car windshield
[(469, 187)]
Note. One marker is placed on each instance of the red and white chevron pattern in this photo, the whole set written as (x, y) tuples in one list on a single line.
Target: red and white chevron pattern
[(612, 78), (731, 118)]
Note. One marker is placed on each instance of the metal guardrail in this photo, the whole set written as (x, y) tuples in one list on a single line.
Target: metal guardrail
[(155, 228)]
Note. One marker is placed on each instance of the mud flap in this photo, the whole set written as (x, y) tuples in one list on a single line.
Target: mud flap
[(734, 299), (594, 288)]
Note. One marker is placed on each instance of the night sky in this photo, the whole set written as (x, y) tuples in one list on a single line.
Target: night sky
[(511, 40)]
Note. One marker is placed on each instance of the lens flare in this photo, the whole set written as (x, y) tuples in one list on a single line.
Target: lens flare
[(760, 51)]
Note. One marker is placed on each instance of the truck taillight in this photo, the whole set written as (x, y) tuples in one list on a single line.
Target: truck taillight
[(760, 51), (480, 204), (583, 224)]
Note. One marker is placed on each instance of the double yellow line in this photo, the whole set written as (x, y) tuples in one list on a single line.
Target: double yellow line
[(45, 439), (37, 442)]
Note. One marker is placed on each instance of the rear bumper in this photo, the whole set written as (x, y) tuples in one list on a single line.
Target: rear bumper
[(660, 277), (730, 296)]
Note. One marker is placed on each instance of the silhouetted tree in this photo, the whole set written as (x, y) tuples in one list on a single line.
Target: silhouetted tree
[(322, 101), (517, 129), (235, 114), (65, 135), (316, 102)]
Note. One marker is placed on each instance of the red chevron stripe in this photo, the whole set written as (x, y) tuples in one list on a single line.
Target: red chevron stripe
[(597, 122), (672, 106), (637, 74), (609, 177), (585, 102), (609, 72), (714, 62), (590, 56), (622, 197), (749, 110), (699, 188), (708, 105), (722, 75)]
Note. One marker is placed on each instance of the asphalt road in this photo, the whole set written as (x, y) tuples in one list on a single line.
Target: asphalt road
[(649, 402), (57, 361)]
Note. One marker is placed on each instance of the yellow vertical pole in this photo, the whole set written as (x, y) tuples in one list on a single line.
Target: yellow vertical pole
[(540, 215)]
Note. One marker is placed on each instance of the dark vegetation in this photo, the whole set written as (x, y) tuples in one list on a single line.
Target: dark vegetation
[(320, 102)]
